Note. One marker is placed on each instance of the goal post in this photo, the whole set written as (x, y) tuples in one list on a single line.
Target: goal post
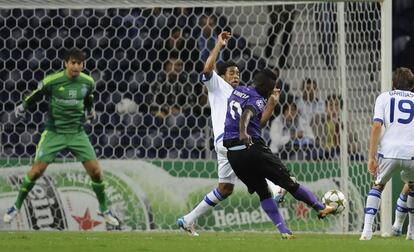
[(386, 84), (344, 114), (153, 116)]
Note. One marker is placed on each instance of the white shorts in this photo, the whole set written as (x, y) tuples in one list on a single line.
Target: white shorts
[(387, 167), (225, 172)]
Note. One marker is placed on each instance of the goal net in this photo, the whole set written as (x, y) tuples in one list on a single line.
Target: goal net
[(153, 128)]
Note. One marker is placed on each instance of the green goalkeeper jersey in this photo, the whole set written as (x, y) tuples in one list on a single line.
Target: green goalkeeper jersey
[(68, 99)]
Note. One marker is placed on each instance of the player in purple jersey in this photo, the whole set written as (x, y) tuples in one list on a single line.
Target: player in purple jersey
[(252, 161)]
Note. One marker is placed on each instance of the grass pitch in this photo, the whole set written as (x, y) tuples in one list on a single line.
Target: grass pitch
[(181, 242)]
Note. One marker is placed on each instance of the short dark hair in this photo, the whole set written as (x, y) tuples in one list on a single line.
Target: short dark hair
[(264, 82), (264, 76), (75, 54), (403, 79), (222, 67), (269, 74)]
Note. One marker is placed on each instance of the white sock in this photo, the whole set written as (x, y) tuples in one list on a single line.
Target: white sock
[(400, 212), (209, 202), (410, 206), (371, 209)]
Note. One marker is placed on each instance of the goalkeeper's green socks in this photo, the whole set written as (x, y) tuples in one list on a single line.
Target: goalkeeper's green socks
[(27, 185), (99, 189), (24, 190)]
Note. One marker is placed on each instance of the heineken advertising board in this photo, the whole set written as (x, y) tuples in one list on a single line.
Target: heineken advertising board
[(145, 196)]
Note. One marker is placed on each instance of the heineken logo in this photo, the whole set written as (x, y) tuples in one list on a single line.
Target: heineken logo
[(144, 196), (236, 217), (63, 199), (43, 206)]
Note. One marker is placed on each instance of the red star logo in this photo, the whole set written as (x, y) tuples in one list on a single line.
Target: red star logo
[(85, 222), (301, 211)]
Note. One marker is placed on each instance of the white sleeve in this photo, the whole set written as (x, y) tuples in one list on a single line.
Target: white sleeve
[(379, 110), (212, 83)]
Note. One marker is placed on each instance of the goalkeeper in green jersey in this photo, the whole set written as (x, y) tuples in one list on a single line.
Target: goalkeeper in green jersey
[(69, 93)]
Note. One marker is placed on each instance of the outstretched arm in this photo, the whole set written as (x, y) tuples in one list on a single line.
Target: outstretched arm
[(212, 58), (34, 97), (270, 107)]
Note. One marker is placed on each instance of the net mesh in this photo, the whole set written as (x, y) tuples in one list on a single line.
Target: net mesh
[(151, 104)]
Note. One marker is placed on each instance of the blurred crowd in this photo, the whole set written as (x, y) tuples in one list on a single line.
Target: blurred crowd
[(149, 98), (146, 63), (309, 128), (403, 33)]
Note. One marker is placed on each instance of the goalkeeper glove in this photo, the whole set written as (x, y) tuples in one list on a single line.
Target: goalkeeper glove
[(20, 112), (90, 115)]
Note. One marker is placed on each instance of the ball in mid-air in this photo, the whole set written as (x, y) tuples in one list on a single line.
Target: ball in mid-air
[(335, 198)]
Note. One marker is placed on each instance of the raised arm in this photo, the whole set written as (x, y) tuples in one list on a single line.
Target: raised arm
[(212, 58)]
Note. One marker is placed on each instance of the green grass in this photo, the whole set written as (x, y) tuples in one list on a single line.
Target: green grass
[(180, 242)]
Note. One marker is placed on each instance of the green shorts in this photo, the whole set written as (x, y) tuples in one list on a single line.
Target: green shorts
[(51, 143)]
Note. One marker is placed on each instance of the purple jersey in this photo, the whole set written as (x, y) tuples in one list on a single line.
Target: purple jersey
[(241, 99)]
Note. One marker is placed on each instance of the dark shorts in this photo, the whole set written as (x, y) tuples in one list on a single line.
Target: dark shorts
[(255, 164)]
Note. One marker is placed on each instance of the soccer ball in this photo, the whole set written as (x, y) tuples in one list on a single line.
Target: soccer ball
[(335, 199)]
